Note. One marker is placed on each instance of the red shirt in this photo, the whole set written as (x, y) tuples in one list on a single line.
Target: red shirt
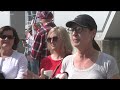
[(49, 64)]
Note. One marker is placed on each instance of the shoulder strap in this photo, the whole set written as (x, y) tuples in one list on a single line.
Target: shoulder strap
[(56, 69)]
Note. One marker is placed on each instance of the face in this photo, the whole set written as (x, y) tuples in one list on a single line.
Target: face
[(80, 36), (54, 41), (45, 20), (6, 39)]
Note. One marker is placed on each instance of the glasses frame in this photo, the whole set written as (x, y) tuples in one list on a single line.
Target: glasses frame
[(54, 39), (76, 29), (10, 37)]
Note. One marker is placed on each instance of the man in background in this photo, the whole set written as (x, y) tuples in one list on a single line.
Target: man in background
[(39, 48)]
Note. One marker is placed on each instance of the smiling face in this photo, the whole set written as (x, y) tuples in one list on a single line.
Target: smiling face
[(7, 40), (54, 41)]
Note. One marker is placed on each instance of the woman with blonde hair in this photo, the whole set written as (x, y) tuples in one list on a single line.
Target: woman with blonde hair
[(62, 34), (58, 42)]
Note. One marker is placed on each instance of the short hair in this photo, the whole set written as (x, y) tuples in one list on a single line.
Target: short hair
[(63, 34), (16, 39)]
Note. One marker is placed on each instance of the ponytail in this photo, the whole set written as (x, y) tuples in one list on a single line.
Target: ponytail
[(95, 45)]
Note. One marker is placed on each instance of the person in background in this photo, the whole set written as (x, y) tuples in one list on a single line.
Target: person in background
[(12, 63), (88, 62), (39, 48), (58, 42), (27, 43)]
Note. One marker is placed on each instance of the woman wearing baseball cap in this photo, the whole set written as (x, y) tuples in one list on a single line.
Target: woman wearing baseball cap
[(88, 62)]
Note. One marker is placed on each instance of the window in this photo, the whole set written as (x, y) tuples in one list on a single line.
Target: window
[(29, 16)]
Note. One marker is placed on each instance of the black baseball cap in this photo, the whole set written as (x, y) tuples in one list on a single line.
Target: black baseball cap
[(83, 20), (86, 21)]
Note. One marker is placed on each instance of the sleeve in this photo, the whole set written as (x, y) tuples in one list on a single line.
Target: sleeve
[(44, 64), (64, 65), (112, 68), (22, 67), (36, 46)]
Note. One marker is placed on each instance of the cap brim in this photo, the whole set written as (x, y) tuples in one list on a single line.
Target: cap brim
[(71, 23)]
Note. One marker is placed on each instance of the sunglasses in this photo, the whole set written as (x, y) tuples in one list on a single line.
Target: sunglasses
[(7, 36), (54, 39)]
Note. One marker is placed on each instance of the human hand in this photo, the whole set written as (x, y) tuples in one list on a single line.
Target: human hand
[(62, 76), (42, 76), (30, 75), (29, 58), (24, 43)]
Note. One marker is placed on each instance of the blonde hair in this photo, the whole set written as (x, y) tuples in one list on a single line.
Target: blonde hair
[(64, 36)]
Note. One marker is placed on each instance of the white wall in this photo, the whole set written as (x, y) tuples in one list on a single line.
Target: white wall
[(4, 18), (61, 17)]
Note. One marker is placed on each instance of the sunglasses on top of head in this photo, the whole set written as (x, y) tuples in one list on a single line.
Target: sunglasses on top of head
[(7, 36), (54, 39)]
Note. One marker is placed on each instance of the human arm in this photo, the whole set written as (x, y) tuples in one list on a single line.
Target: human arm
[(31, 75), (63, 75), (24, 43), (22, 67), (37, 45), (63, 72)]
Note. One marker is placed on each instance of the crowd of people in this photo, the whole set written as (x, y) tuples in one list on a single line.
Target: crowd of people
[(49, 52)]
